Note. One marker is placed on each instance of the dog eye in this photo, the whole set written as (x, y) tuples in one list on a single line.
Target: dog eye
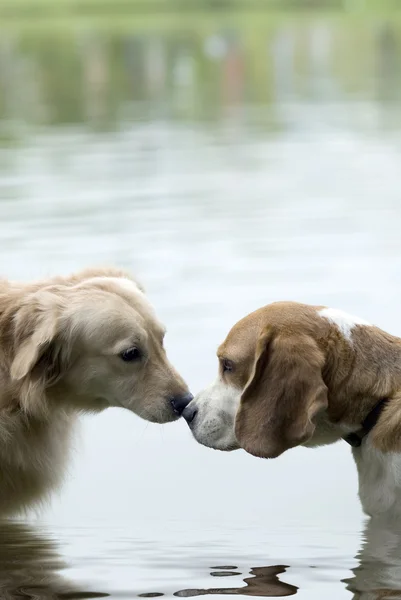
[(131, 355), (227, 365)]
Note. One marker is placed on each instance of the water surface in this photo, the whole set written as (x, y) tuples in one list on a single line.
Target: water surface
[(227, 164)]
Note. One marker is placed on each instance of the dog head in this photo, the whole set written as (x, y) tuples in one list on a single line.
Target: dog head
[(290, 374), (92, 342)]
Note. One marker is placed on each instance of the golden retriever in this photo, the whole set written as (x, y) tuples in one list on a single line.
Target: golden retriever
[(292, 374), (71, 345)]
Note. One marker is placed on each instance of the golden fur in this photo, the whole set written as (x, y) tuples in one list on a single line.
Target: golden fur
[(60, 354)]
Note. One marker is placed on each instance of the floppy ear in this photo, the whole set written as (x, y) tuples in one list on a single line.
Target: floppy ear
[(39, 355), (283, 395)]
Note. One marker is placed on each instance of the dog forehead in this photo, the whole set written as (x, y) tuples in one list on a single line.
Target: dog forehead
[(118, 306), (294, 316), (104, 317), (241, 338), (128, 291)]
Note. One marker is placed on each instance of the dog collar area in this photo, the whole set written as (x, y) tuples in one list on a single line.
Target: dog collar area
[(355, 438)]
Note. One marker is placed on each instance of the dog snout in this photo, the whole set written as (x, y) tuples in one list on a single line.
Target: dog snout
[(190, 413), (179, 403)]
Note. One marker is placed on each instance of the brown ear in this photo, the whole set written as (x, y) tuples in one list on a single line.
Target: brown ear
[(283, 395), (39, 353)]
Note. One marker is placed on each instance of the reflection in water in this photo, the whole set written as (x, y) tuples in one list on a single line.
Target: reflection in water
[(98, 77), (30, 566), (263, 583), (286, 199), (388, 75), (378, 575)]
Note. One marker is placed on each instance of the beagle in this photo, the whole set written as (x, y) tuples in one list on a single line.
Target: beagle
[(292, 374)]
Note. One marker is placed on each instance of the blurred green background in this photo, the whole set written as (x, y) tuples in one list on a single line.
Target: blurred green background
[(92, 60), (229, 153), (111, 6)]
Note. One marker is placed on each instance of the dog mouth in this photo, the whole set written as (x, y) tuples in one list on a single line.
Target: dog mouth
[(159, 413), (166, 414), (212, 435)]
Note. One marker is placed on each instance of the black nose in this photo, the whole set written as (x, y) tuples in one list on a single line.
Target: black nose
[(190, 413), (179, 403)]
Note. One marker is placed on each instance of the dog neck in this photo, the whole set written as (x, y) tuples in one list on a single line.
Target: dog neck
[(34, 453)]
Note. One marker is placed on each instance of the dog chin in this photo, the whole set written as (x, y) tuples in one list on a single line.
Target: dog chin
[(165, 416), (222, 445)]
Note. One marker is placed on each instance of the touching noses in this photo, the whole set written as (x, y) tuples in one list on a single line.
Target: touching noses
[(179, 403)]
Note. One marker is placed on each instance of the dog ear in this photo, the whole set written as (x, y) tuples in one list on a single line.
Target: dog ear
[(283, 395), (39, 353)]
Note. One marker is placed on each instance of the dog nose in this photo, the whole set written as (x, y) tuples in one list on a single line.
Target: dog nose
[(190, 413), (179, 403)]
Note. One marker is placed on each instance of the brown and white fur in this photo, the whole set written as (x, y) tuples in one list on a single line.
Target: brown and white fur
[(62, 343), (292, 374)]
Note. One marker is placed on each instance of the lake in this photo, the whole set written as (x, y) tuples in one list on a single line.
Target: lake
[(228, 161)]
